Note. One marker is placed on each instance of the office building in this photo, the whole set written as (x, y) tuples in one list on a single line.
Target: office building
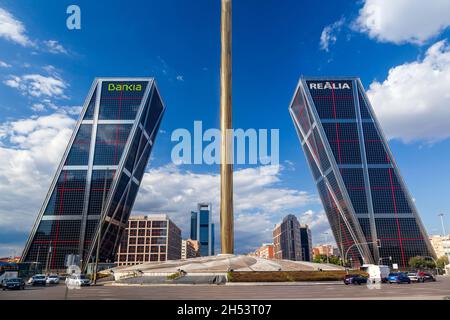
[(324, 249), (190, 249), (99, 174), (370, 210), (149, 238), (286, 239), (265, 251), (441, 245), (306, 242), (202, 228)]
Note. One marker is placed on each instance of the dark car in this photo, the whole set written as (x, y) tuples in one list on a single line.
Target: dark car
[(354, 279), (425, 276), (398, 277), (14, 284), (38, 280)]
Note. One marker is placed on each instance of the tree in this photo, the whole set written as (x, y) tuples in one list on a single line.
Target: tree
[(419, 262), (322, 258), (442, 262)]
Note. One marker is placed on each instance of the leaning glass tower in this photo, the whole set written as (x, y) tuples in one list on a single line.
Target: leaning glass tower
[(99, 175), (371, 213)]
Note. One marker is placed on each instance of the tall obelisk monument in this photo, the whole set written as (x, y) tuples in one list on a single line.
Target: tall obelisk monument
[(226, 152)]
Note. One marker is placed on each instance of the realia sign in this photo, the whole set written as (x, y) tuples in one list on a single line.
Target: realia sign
[(327, 85)]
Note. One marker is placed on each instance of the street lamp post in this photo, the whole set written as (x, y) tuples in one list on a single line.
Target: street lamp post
[(441, 215), (326, 240), (380, 260), (348, 249), (48, 257)]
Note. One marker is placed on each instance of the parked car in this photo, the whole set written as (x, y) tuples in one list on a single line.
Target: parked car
[(398, 277), (52, 279), (14, 284), (354, 279), (425, 276), (38, 280), (413, 276), (78, 280)]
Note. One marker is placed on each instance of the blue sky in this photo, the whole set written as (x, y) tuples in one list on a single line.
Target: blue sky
[(46, 71)]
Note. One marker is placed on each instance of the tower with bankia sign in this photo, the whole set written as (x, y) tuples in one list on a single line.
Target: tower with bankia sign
[(371, 213), (97, 180)]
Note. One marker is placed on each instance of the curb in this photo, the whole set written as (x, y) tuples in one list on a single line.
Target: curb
[(226, 284), (299, 283)]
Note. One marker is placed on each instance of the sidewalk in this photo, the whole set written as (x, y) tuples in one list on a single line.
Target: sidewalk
[(112, 284)]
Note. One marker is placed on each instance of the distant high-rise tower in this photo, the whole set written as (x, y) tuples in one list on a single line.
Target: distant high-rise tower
[(99, 175), (286, 239), (202, 228), (306, 242), (370, 211)]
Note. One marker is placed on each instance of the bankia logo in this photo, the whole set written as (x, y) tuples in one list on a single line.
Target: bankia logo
[(124, 87), (328, 85)]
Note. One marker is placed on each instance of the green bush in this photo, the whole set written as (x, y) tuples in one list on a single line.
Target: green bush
[(174, 276), (288, 276)]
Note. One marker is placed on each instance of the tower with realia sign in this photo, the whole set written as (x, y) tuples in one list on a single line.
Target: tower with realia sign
[(371, 213)]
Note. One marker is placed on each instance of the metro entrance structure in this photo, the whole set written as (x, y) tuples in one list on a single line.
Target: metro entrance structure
[(97, 180), (372, 215)]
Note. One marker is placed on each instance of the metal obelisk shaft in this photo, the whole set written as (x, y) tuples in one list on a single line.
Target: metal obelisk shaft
[(226, 166)]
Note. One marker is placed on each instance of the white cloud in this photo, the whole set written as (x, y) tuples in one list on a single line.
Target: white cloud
[(329, 34), (37, 85), (10, 249), (400, 21), (38, 107), (318, 223), (12, 29), (30, 150), (412, 104), (180, 78), (53, 46), (48, 104), (3, 64)]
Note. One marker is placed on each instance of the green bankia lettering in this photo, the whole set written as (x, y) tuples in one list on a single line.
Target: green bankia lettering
[(124, 87)]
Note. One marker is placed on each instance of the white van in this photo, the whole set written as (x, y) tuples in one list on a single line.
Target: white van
[(376, 273)]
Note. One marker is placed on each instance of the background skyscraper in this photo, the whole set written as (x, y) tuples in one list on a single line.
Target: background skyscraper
[(286, 239), (99, 175), (202, 228), (370, 211), (306, 242)]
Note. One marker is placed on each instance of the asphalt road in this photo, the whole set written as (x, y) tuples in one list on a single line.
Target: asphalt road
[(423, 291)]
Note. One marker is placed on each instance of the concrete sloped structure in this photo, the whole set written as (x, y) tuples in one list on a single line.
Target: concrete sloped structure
[(216, 265)]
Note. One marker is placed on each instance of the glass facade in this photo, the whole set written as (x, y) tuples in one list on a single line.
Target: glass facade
[(202, 229), (371, 213), (99, 175), (306, 242)]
